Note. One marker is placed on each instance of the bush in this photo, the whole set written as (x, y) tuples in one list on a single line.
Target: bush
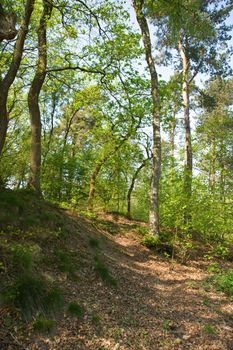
[(76, 309), (224, 282), (150, 241), (103, 272), (142, 230)]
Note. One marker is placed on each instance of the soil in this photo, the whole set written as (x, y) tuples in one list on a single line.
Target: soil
[(156, 304)]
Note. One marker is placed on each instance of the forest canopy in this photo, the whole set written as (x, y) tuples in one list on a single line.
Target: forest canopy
[(87, 121)]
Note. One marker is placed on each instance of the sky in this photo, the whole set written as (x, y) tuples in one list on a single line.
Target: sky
[(166, 72)]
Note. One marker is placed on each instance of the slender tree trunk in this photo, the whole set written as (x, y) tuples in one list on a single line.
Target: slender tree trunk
[(67, 131), (54, 101), (188, 164), (94, 175), (212, 180), (33, 99), (172, 140), (131, 188), (9, 78), (156, 151)]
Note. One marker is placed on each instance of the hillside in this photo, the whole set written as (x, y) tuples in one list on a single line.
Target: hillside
[(72, 282)]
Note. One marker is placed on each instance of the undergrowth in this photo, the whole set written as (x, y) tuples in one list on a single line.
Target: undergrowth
[(103, 272)]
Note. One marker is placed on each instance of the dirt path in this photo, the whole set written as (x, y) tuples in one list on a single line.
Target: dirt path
[(155, 306)]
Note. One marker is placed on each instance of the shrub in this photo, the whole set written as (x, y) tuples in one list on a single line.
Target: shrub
[(103, 272), (150, 241), (224, 282), (76, 309), (142, 230)]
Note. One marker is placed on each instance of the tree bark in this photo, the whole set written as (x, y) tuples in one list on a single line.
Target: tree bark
[(156, 151), (7, 25), (131, 188), (9, 78), (188, 162), (33, 99)]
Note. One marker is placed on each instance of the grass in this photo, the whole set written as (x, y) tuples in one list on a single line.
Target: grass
[(66, 262), (22, 257), (31, 294), (208, 328), (53, 301), (103, 272), (94, 243), (96, 319), (43, 325), (27, 293), (76, 309)]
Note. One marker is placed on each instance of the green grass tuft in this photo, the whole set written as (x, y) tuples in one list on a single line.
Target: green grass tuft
[(65, 261), (43, 325), (94, 243), (76, 309), (22, 257), (103, 272), (26, 293), (54, 300), (96, 319), (209, 329)]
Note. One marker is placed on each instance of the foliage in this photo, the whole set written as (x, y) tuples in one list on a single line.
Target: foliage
[(224, 282), (150, 241)]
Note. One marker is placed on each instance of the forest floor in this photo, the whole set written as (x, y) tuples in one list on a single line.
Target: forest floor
[(156, 304)]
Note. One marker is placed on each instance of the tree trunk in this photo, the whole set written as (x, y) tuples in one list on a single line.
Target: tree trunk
[(33, 100), (131, 188), (172, 140), (9, 78), (156, 151), (188, 163), (93, 180)]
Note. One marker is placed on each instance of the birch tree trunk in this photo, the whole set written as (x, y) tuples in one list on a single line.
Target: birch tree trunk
[(156, 151), (33, 99)]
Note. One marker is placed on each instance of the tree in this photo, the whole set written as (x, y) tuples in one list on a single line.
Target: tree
[(156, 148), (7, 25), (33, 98), (199, 28), (9, 77)]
